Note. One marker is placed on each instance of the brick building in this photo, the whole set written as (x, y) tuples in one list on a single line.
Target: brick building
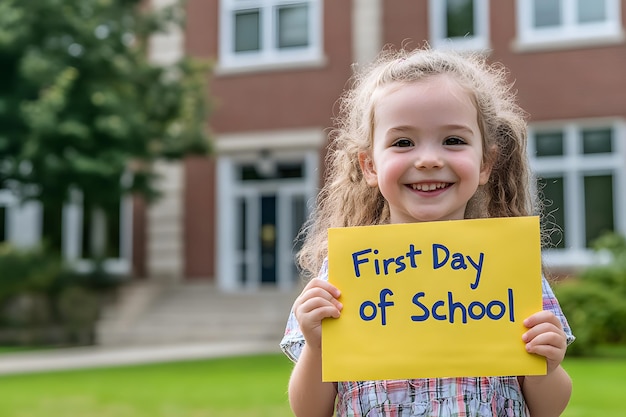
[(279, 67)]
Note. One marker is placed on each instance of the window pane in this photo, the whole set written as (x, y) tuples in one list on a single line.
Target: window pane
[(547, 13), (459, 18), (243, 273), (549, 143), (294, 170), (113, 231), (293, 26), (53, 227), (3, 222), (553, 218), (247, 31), (298, 217), (249, 173), (597, 140), (598, 206), (591, 11), (87, 232), (243, 226), (277, 170), (267, 238), (242, 243), (101, 231)]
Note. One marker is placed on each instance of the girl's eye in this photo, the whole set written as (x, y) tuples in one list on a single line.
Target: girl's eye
[(454, 140), (403, 143)]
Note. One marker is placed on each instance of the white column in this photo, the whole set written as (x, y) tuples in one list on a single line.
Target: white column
[(73, 226), (367, 30), (24, 223), (164, 238), (227, 227), (166, 48)]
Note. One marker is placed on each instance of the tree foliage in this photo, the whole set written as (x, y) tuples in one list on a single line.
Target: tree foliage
[(81, 104)]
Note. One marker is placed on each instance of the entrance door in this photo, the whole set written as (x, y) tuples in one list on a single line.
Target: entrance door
[(269, 219), (262, 212)]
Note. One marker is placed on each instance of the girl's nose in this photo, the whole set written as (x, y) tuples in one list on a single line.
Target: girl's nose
[(428, 158)]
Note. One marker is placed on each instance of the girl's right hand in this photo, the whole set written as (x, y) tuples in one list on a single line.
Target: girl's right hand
[(317, 301)]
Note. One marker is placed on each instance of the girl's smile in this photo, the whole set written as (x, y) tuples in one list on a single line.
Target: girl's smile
[(427, 150), (428, 187)]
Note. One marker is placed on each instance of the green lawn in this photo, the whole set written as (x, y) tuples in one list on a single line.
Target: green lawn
[(234, 387), (599, 385), (252, 386)]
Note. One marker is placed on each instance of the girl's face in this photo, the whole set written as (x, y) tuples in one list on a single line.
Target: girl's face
[(426, 158)]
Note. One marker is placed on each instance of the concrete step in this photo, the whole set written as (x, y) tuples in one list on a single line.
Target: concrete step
[(149, 313)]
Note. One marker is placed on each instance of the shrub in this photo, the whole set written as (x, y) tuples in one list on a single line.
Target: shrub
[(595, 302), (26, 271), (44, 302)]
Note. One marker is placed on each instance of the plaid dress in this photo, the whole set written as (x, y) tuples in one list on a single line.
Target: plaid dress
[(432, 397)]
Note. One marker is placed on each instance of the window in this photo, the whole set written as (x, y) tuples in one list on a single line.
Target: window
[(20, 221), (561, 22), (71, 230), (52, 227), (81, 232), (101, 237), (459, 24), (257, 33), (580, 170)]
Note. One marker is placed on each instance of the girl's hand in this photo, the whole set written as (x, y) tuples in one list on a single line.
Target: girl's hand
[(545, 337), (317, 301)]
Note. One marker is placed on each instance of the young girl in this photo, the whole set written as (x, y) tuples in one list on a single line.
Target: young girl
[(422, 136)]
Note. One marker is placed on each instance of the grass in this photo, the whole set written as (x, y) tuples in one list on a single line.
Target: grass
[(251, 386), (599, 385)]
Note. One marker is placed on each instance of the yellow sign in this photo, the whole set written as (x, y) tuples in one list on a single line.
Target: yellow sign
[(427, 300)]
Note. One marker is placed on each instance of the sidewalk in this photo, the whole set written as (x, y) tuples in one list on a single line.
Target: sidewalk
[(98, 356)]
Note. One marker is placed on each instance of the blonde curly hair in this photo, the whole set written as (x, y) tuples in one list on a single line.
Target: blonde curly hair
[(347, 200)]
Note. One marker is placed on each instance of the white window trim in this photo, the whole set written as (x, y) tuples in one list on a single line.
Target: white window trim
[(571, 166), (437, 29), (570, 34), (269, 58), (72, 237), (24, 221)]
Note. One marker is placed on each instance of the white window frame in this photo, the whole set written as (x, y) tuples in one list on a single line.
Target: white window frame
[(73, 232), (570, 34), (573, 165), (437, 27), (24, 229), (269, 57)]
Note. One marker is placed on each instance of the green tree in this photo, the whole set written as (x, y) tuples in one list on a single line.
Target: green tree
[(81, 104)]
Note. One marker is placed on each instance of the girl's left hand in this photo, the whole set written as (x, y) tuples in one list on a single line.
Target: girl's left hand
[(545, 337)]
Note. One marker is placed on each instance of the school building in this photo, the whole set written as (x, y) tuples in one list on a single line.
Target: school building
[(279, 67), (228, 221)]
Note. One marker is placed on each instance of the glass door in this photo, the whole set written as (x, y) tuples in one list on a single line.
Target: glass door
[(269, 215), (262, 207), (267, 235)]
